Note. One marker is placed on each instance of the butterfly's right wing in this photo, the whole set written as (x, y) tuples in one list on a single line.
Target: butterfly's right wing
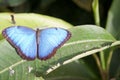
[(50, 39), (23, 39)]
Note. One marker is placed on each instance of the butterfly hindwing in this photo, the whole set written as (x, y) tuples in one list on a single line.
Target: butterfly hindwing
[(50, 40), (23, 39)]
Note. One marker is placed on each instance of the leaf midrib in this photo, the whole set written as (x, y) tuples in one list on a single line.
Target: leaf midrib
[(86, 41)]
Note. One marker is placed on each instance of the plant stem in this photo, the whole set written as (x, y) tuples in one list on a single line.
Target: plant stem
[(109, 60), (99, 65), (100, 62), (95, 6), (102, 59)]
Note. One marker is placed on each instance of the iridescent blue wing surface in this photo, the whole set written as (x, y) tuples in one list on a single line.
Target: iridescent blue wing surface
[(23, 39), (50, 40)]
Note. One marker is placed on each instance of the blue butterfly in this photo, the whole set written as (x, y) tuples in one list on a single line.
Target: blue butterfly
[(30, 44)]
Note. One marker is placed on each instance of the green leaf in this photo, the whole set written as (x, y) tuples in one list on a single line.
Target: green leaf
[(80, 70), (75, 70), (13, 3), (113, 26), (114, 70), (85, 40), (113, 21), (31, 20), (46, 3)]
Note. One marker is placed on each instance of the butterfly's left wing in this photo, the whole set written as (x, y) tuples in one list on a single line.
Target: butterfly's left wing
[(23, 39), (50, 40)]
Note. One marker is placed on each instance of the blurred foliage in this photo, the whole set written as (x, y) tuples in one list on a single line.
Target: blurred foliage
[(75, 12)]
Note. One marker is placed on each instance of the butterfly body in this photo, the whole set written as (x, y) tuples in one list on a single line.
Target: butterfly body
[(30, 44)]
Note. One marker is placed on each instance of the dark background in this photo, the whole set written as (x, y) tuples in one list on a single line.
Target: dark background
[(76, 12)]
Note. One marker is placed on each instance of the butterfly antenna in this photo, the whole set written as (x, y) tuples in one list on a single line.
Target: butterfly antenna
[(13, 19)]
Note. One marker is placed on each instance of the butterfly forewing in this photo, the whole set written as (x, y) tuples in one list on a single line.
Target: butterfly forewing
[(23, 39), (50, 40)]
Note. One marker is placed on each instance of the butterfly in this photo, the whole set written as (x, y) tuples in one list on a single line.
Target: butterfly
[(31, 44)]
